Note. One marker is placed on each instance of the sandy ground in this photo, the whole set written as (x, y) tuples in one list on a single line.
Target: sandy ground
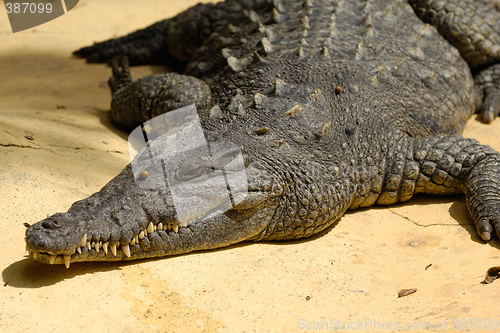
[(348, 275)]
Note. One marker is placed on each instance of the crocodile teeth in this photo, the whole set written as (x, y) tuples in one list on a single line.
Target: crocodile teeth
[(79, 249), (89, 247), (133, 241), (113, 249), (150, 227), (141, 235), (137, 239), (160, 227), (105, 247), (126, 250), (175, 227), (84, 240), (52, 259), (67, 260)]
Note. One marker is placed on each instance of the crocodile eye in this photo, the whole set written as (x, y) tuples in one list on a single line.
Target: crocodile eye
[(191, 173)]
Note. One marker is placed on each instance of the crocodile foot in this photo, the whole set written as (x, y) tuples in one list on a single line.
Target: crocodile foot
[(488, 87)]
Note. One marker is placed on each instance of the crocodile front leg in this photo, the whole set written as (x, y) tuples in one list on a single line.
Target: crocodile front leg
[(451, 163), (482, 194), (487, 84), (134, 103), (442, 165)]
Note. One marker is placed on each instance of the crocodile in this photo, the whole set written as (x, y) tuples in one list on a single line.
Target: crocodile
[(331, 105)]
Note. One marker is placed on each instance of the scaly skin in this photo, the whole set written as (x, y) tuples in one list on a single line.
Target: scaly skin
[(332, 108)]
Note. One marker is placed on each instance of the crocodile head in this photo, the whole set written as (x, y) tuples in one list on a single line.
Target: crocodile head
[(126, 221), (180, 194)]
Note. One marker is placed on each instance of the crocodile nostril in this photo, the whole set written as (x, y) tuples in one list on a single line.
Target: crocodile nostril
[(52, 224)]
